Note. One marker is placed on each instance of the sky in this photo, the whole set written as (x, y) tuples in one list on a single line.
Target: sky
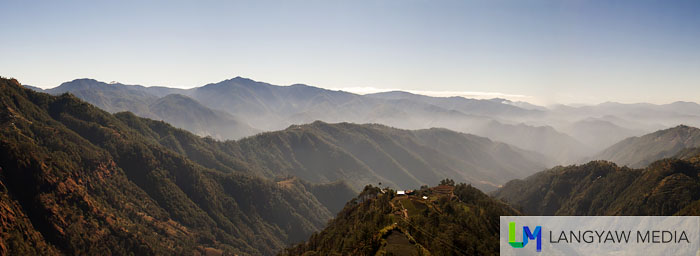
[(544, 52)]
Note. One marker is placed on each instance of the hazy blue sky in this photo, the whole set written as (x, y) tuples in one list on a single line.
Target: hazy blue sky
[(538, 51)]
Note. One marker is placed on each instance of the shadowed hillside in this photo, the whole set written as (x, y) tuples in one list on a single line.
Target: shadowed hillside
[(78, 180)]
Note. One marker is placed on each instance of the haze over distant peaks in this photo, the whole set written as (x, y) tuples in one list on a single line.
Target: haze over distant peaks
[(240, 107)]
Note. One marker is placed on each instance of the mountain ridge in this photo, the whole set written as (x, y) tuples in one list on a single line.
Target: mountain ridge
[(665, 187), (640, 151)]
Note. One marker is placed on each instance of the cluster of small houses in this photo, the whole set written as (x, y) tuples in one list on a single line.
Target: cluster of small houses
[(441, 190)]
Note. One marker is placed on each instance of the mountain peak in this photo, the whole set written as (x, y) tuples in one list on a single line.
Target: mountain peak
[(84, 80), (681, 127), (241, 79)]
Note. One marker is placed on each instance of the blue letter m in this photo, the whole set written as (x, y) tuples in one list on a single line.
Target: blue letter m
[(529, 235)]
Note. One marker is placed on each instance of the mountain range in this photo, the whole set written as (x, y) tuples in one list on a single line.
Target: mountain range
[(76, 179), (241, 107)]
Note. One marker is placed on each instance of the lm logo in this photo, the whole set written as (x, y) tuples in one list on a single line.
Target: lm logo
[(527, 235)]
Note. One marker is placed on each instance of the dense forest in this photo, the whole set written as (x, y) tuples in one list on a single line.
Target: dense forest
[(665, 187)]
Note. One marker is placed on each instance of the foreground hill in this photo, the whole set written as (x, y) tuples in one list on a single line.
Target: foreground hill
[(666, 187), (638, 152), (378, 222), (367, 154), (77, 180)]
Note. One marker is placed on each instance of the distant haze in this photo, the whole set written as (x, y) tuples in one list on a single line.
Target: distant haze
[(543, 52)]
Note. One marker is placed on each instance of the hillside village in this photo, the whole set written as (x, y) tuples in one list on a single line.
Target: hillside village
[(425, 221), (396, 238)]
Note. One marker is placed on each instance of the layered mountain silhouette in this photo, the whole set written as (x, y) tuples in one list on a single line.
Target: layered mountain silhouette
[(241, 107)]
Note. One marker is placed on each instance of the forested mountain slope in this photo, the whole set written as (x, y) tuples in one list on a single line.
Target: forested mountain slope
[(638, 152), (666, 187), (78, 180)]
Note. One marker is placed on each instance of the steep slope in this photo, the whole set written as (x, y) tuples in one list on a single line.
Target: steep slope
[(88, 183), (379, 223), (640, 151), (666, 187), (332, 195), (17, 233), (368, 154)]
